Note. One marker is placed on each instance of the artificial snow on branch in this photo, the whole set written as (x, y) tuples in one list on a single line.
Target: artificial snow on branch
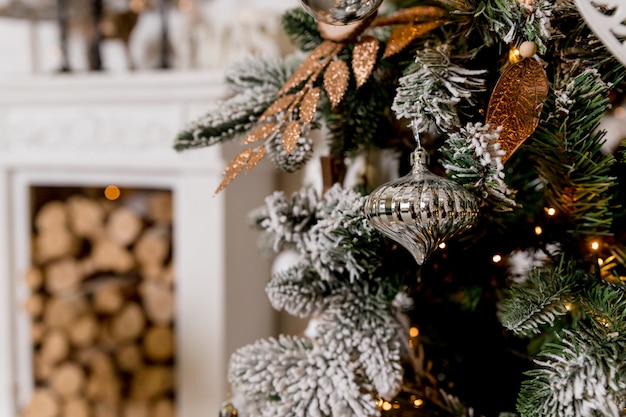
[(472, 157), (431, 89), (254, 83)]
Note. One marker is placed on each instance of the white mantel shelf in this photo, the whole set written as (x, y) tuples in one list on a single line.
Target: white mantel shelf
[(112, 119), (100, 129)]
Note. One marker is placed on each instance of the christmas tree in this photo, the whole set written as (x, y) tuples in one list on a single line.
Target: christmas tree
[(486, 275)]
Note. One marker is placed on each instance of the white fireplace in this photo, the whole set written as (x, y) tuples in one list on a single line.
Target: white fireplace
[(93, 130)]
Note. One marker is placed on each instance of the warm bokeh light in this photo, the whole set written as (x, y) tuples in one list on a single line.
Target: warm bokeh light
[(414, 332), (595, 245), (551, 211), (386, 406), (496, 258), (418, 403), (112, 192), (538, 230), (442, 245)]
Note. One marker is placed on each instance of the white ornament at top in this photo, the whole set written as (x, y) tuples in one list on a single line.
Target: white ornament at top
[(609, 26)]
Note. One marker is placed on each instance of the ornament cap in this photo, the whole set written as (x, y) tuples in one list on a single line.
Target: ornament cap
[(419, 159)]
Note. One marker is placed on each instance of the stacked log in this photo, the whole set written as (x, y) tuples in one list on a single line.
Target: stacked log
[(102, 308)]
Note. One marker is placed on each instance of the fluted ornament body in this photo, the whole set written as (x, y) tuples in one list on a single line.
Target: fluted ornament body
[(421, 210)]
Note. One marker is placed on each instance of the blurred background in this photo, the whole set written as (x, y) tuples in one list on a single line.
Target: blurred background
[(125, 284), (47, 36)]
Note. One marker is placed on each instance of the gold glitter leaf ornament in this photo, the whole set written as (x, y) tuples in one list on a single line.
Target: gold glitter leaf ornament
[(260, 133), (309, 105), (278, 106), (234, 168), (248, 158), (364, 58), (403, 35), (311, 64), (255, 157), (412, 15), (291, 134), (336, 79), (516, 103)]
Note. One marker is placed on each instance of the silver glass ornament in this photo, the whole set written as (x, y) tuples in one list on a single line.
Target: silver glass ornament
[(340, 12), (421, 210)]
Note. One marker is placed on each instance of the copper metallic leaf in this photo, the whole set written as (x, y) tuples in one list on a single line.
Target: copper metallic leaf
[(309, 66), (233, 169), (516, 103), (291, 134), (309, 105), (403, 35), (336, 79), (364, 58), (260, 133), (278, 106)]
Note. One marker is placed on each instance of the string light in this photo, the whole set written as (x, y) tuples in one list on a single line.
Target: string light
[(595, 245), (538, 230), (414, 332), (496, 258), (551, 211), (514, 55), (418, 403), (112, 192), (442, 245)]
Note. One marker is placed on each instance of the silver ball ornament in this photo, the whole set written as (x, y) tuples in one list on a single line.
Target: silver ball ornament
[(340, 12), (421, 210)]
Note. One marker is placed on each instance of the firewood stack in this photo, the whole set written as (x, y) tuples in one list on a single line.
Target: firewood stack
[(102, 308)]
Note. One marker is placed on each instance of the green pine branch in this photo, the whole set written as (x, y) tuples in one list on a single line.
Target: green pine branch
[(254, 83), (566, 149), (301, 29), (543, 297)]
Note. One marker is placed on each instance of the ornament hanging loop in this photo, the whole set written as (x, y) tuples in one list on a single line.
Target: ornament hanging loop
[(416, 132), (419, 157)]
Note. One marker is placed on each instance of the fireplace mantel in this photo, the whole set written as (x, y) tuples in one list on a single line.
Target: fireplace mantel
[(100, 129)]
